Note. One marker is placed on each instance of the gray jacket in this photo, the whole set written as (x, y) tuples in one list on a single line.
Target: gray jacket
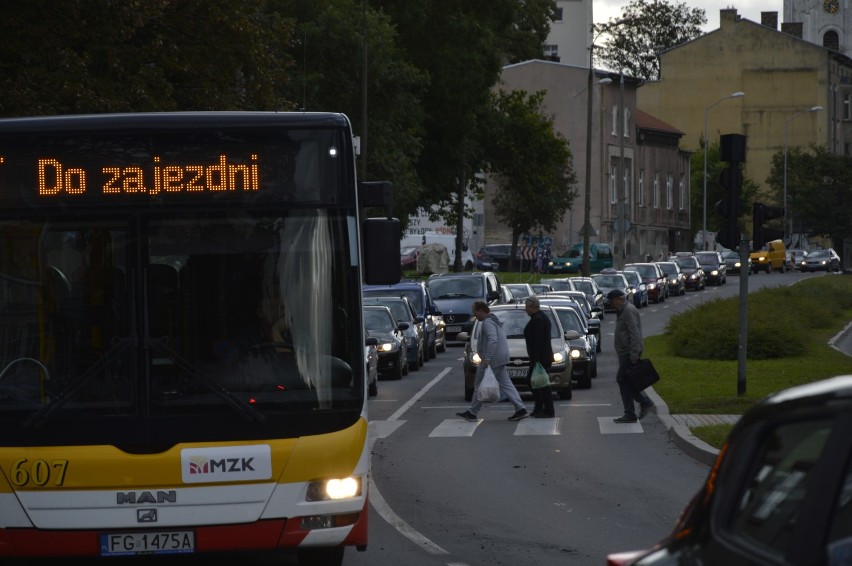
[(492, 345), (628, 331)]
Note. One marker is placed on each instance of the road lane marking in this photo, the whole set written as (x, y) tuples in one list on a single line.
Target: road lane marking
[(538, 427), (455, 427), (607, 426)]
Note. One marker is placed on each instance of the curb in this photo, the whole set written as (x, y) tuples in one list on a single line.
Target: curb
[(681, 436)]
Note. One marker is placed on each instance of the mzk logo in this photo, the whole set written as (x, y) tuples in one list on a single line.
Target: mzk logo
[(226, 463)]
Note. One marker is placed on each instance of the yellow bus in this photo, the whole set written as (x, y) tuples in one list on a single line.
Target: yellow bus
[(182, 364)]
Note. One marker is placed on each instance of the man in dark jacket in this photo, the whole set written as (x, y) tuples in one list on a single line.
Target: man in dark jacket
[(539, 350), (628, 347)]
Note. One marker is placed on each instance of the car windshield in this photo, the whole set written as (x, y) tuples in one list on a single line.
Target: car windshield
[(816, 254), (456, 288), (584, 286), (669, 268), (414, 296), (570, 320), (646, 271), (633, 277), (707, 259), (687, 262), (610, 281), (560, 285), (400, 309), (515, 320), (377, 321), (519, 291)]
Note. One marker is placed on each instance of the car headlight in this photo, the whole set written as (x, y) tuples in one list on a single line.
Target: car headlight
[(576, 354), (714, 272), (694, 276), (651, 286), (387, 346), (736, 264), (558, 357)]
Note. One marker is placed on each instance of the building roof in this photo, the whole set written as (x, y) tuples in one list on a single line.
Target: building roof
[(645, 121)]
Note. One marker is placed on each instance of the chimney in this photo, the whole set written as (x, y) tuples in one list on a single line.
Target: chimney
[(769, 19), (727, 16), (792, 28)]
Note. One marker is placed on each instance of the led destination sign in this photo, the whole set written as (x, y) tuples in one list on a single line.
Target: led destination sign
[(227, 174)]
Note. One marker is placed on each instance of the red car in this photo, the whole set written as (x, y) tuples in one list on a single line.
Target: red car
[(408, 257)]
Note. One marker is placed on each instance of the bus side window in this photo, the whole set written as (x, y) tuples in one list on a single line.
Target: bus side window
[(163, 301)]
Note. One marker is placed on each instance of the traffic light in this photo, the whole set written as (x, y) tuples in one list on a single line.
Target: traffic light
[(730, 207), (761, 214)]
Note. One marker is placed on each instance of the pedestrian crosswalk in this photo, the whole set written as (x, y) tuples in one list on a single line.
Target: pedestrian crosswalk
[(455, 427)]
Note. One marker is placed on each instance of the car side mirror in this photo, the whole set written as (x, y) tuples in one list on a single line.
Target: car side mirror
[(571, 334), (371, 341), (594, 327), (402, 326)]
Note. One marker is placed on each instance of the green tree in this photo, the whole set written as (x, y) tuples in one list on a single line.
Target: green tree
[(819, 191), (79, 56), (530, 164), (653, 27)]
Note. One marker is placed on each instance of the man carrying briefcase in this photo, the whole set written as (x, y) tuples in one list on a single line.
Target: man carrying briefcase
[(628, 347)]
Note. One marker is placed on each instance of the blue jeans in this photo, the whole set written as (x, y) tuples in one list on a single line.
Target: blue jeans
[(628, 394), (507, 389)]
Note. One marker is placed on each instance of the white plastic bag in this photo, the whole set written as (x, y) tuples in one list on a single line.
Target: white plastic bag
[(489, 389)]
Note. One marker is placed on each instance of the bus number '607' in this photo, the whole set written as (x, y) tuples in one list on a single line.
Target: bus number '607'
[(38, 472)]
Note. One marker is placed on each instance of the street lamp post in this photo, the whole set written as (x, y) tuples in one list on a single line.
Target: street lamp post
[(706, 144), (786, 129), (587, 210), (621, 128)]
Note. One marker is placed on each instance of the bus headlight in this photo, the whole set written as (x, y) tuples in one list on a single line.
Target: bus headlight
[(337, 488)]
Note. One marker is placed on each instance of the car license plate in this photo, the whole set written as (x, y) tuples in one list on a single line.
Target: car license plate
[(152, 542), (518, 372), (453, 329)]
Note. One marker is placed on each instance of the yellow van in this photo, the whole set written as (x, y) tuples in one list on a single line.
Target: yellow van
[(772, 256)]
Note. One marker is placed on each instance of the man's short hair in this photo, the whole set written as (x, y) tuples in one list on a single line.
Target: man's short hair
[(481, 306), (532, 302)]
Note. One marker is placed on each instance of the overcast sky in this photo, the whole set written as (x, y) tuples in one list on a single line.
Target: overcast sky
[(604, 10)]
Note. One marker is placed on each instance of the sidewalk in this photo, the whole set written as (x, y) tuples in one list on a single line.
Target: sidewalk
[(679, 425)]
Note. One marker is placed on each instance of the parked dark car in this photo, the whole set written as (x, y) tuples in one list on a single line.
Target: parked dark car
[(588, 286), (454, 294), (654, 278), (408, 257), (675, 278), (380, 324), (821, 260), (593, 324), (780, 491), (715, 271), (695, 278)]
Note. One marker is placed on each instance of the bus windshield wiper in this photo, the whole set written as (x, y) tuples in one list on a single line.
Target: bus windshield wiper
[(40, 416), (248, 412)]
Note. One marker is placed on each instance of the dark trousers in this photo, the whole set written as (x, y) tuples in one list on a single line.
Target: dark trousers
[(543, 397), (628, 394)]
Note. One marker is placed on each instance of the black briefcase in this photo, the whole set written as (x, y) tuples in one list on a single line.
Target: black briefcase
[(642, 374)]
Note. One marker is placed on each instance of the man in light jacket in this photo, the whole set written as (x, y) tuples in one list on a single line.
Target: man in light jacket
[(493, 350)]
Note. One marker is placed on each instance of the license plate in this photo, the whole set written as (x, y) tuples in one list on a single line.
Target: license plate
[(127, 544), (518, 372), (455, 329)]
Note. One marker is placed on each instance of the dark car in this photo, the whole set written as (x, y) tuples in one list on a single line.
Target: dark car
[(675, 278), (418, 295), (588, 286), (454, 294), (695, 278), (821, 260), (733, 264), (780, 491), (584, 357), (640, 290), (654, 278), (715, 271), (415, 340), (380, 324), (577, 300), (610, 279), (484, 262)]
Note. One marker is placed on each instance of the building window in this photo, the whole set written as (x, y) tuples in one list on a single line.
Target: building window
[(846, 115), (831, 41), (625, 130), (656, 189), (615, 120), (551, 53), (681, 192), (613, 179), (557, 15), (669, 194), (640, 189), (627, 181)]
